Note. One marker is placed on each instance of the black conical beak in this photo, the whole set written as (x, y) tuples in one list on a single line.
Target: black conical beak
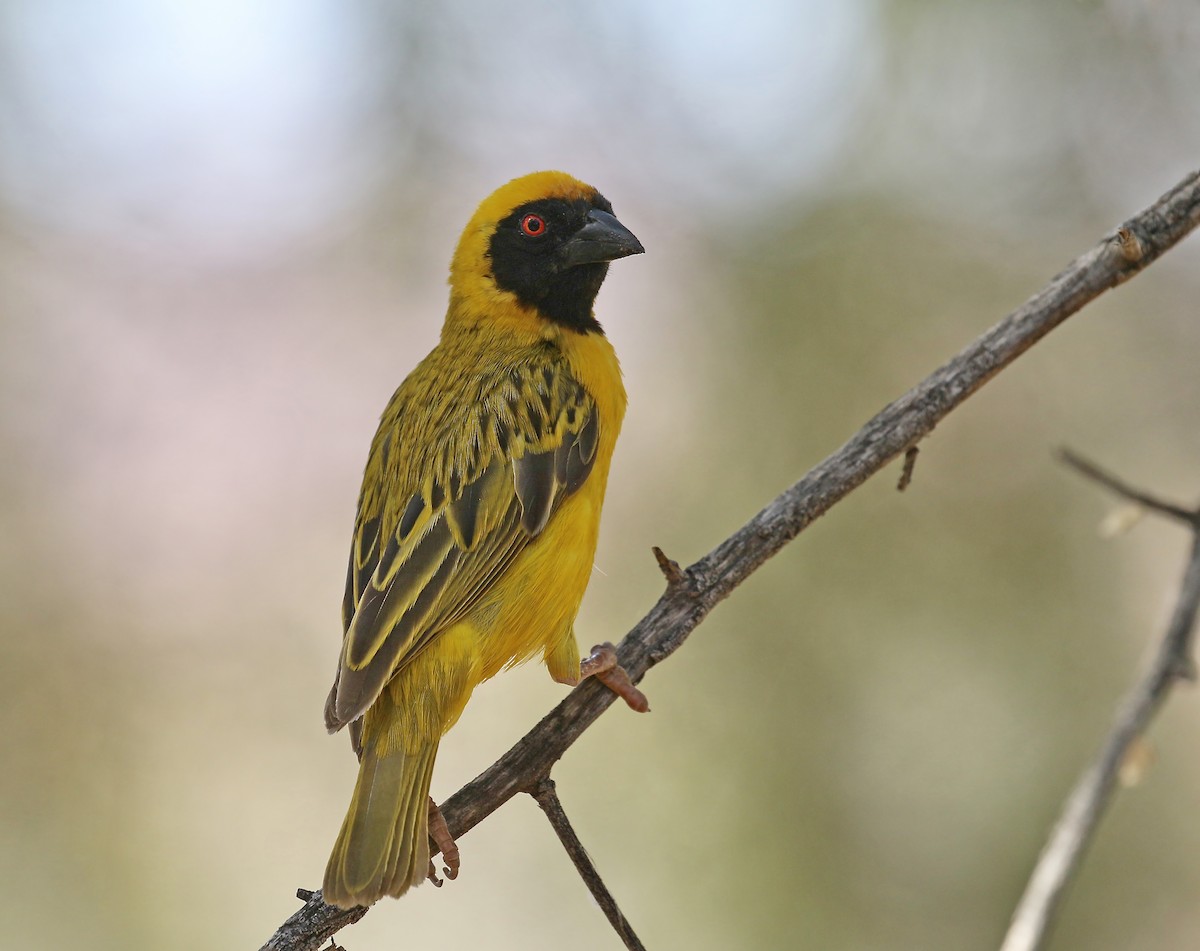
[(602, 238)]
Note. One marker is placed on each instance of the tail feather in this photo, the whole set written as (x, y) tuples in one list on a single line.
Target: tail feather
[(410, 866), (383, 848)]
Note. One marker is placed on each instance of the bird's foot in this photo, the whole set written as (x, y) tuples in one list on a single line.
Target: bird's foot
[(602, 664), (439, 832)]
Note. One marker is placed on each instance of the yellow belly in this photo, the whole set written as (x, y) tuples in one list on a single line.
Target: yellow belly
[(532, 609)]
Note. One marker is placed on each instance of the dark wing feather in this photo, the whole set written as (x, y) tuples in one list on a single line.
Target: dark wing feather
[(364, 556), (449, 548), (467, 515), (536, 488), (579, 457), (390, 618)]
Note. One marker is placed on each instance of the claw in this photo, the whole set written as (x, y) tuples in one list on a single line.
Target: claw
[(602, 664), (439, 832)]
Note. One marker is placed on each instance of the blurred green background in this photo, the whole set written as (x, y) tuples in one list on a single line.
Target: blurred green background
[(224, 231)]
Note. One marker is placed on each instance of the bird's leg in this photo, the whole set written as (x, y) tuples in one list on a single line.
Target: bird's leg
[(440, 833), (602, 664)]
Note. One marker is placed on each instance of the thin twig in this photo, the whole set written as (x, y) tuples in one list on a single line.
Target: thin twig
[(1123, 489), (1060, 858), (906, 473), (897, 426), (670, 568), (547, 797)]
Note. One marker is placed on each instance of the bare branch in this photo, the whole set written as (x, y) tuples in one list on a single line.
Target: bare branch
[(899, 425), (547, 797), (311, 925), (1060, 859)]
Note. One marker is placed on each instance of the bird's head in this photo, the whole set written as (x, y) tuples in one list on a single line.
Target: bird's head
[(541, 243)]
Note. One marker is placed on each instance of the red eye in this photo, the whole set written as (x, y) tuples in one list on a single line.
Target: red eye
[(533, 225)]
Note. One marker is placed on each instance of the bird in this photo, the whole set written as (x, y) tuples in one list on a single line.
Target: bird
[(478, 517)]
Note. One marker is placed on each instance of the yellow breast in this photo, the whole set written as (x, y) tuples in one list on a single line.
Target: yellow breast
[(532, 609)]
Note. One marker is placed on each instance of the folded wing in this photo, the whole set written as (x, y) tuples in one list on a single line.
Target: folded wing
[(459, 533)]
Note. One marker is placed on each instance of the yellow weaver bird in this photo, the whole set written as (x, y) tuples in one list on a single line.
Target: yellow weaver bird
[(479, 513)]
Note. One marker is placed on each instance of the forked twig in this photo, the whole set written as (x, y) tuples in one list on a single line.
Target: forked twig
[(1061, 857)]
